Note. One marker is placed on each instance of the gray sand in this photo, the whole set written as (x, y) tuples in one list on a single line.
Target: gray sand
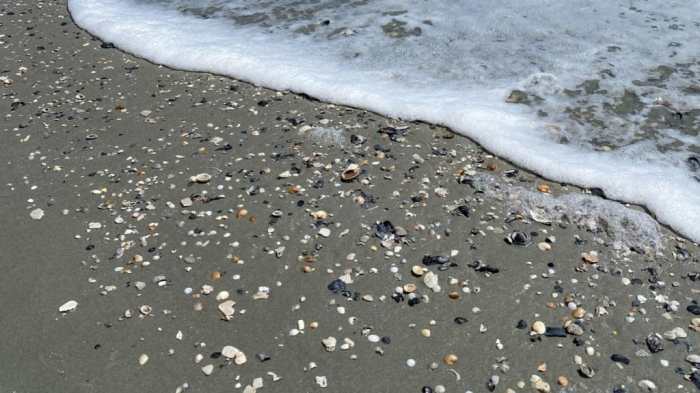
[(77, 144)]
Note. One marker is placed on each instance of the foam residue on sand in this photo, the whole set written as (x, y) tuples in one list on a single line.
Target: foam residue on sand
[(455, 63)]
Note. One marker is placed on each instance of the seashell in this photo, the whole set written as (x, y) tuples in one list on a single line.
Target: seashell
[(450, 359), (200, 178), (350, 173), (519, 239), (145, 309), (226, 309), (231, 352), (418, 270), (319, 215), (539, 215), (68, 306)]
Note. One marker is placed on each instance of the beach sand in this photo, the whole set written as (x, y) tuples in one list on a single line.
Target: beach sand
[(98, 207)]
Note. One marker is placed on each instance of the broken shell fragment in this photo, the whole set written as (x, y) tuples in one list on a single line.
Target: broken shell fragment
[(450, 359), (227, 310), (319, 215), (231, 352), (68, 306), (200, 178), (350, 173)]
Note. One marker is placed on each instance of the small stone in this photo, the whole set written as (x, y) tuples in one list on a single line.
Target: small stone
[(324, 232), (647, 385), (68, 306), (617, 358), (143, 359), (693, 309), (36, 214), (186, 202)]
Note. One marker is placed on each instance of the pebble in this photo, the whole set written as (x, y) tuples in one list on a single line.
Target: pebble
[(36, 214), (143, 359), (208, 369), (647, 385)]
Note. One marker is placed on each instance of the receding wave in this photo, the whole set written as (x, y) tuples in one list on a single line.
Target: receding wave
[(598, 93)]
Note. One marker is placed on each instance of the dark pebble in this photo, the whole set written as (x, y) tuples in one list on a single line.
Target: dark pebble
[(337, 285), (655, 343), (694, 309), (617, 358), (555, 332), (460, 320), (435, 260)]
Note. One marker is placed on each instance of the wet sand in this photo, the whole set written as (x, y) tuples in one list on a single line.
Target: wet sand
[(105, 145)]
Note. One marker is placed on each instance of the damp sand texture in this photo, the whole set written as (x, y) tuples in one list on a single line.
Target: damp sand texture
[(177, 231)]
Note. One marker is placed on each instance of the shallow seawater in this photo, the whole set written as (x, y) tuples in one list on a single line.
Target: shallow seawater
[(601, 94)]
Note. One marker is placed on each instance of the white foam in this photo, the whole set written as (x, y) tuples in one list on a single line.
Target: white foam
[(457, 72)]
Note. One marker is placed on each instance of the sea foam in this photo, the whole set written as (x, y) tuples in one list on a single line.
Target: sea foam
[(604, 83)]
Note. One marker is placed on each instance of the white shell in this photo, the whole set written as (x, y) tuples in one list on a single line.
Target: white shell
[(200, 178), (68, 306)]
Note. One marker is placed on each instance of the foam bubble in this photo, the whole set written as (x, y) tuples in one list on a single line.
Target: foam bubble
[(584, 66)]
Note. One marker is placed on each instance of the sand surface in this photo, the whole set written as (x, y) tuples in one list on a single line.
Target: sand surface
[(109, 147)]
